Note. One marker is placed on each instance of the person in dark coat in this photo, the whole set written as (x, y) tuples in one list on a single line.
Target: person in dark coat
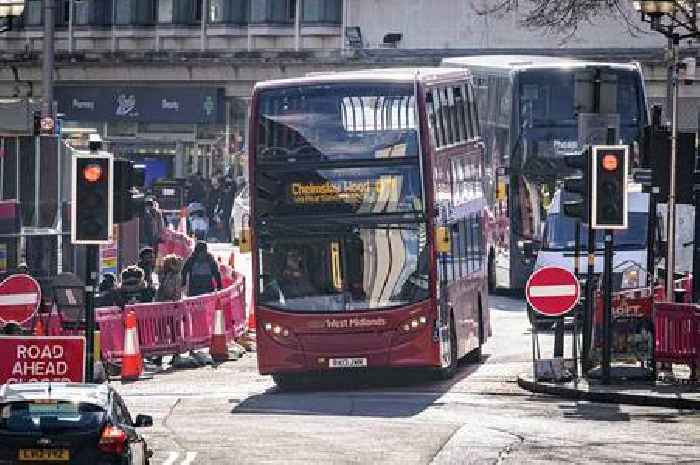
[(133, 288), (107, 291), (200, 271)]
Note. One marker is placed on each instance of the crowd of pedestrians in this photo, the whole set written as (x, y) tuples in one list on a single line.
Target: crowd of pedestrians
[(144, 283), (209, 204)]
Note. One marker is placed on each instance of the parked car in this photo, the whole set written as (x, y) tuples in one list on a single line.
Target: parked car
[(241, 207), (77, 424)]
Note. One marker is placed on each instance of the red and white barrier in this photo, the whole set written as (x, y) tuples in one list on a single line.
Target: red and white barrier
[(168, 328)]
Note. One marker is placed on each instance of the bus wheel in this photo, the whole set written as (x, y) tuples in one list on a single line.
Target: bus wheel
[(288, 382), (475, 355), (492, 271), (449, 371)]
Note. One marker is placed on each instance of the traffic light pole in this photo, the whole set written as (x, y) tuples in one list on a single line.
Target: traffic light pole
[(92, 252), (607, 316), (671, 217), (588, 314)]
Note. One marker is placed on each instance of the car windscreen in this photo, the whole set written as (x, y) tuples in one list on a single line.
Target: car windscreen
[(50, 416), (560, 233)]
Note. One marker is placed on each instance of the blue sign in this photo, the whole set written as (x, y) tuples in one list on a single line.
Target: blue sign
[(143, 104)]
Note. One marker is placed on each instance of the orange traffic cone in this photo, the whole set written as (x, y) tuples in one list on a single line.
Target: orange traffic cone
[(39, 328), (132, 363), (218, 348)]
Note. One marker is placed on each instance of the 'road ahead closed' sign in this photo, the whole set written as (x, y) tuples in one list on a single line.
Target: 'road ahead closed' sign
[(37, 359)]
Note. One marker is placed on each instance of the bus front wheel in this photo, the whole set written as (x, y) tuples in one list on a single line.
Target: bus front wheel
[(449, 371), (288, 382)]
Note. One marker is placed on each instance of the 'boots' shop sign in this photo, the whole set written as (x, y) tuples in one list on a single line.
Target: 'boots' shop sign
[(143, 104)]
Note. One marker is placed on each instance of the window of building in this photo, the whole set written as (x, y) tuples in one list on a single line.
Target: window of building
[(187, 12), (322, 11), (92, 12), (32, 12), (228, 11), (273, 11)]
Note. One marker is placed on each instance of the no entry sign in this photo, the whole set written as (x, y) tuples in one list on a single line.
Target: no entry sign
[(552, 291), (41, 359), (19, 298)]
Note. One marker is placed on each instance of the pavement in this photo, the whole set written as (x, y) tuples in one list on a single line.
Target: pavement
[(677, 395), (228, 413)]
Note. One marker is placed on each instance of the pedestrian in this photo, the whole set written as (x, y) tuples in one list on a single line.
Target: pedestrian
[(133, 288), (147, 262), (107, 291), (170, 280), (152, 224), (200, 271)]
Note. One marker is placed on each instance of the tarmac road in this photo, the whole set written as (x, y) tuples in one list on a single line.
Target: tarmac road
[(230, 414)]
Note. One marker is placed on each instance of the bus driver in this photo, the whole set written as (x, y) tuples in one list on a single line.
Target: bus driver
[(293, 281)]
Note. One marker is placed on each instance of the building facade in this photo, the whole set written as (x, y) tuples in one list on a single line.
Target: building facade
[(167, 82)]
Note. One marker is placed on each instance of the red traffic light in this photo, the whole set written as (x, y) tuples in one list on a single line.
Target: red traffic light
[(610, 162), (92, 172)]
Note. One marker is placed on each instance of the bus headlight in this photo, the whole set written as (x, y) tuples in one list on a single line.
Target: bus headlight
[(280, 334), (414, 323), (631, 278)]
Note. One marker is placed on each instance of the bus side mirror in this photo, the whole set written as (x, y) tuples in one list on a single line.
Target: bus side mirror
[(442, 239)]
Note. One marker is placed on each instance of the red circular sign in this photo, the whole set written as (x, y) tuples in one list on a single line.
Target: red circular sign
[(20, 295), (552, 291)]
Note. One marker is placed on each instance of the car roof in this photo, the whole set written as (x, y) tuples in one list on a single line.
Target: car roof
[(524, 62), (97, 394), (637, 202), (387, 75)]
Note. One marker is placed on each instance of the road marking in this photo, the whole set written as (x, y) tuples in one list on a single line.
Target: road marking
[(173, 456), (552, 291), (189, 458)]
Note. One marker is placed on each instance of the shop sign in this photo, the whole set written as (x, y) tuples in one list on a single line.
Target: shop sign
[(141, 104)]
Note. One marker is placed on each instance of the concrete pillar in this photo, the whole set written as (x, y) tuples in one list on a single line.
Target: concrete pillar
[(179, 160), (203, 28), (297, 25)]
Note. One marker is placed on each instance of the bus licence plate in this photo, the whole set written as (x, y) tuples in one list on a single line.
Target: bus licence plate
[(347, 362), (44, 455)]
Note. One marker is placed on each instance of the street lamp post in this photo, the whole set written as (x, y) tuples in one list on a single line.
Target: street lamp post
[(668, 17)]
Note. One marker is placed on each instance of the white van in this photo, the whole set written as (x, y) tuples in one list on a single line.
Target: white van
[(630, 260)]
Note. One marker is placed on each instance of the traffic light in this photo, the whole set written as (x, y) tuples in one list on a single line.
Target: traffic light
[(91, 201), (609, 199), (576, 187), (124, 194)]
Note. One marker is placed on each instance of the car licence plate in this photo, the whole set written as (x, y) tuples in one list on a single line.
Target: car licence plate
[(44, 455), (347, 362)]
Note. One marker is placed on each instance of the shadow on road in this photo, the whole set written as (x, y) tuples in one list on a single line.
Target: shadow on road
[(381, 394)]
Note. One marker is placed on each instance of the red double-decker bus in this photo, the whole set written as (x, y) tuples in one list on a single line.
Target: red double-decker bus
[(368, 222)]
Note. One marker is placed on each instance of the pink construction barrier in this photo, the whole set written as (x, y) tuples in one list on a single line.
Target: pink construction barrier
[(677, 333), (168, 328)]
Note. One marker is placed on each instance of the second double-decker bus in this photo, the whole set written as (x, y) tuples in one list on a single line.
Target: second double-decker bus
[(535, 111), (368, 237)]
